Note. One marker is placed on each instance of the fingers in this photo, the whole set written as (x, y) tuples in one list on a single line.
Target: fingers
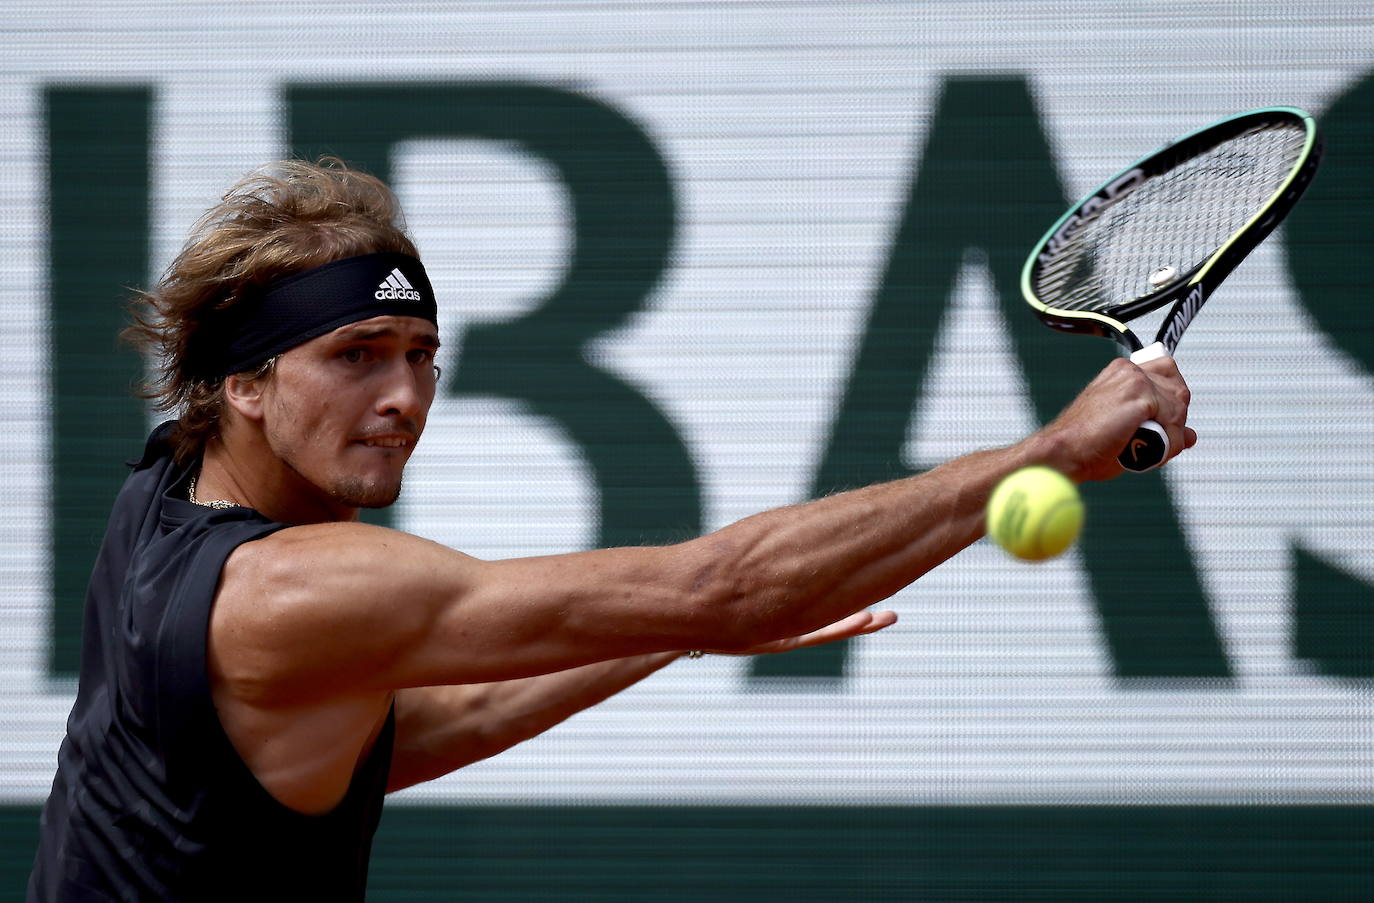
[(1085, 440), (1171, 398), (878, 620), (882, 620), (858, 624)]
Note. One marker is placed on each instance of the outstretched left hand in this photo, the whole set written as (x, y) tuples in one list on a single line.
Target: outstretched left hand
[(857, 624)]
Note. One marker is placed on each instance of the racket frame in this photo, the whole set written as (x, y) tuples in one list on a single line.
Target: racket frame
[(1190, 290)]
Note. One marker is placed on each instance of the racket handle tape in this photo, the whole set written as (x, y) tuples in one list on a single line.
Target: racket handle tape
[(1150, 445)]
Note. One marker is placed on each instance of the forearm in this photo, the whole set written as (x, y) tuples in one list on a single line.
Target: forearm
[(441, 729), (794, 569), (386, 611)]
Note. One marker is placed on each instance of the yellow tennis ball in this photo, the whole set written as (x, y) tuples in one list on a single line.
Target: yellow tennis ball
[(1035, 513)]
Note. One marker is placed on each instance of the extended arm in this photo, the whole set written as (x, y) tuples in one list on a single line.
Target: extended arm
[(441, 729), (318, 610)]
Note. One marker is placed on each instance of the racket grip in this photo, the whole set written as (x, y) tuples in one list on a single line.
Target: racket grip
[(1150, 445), (1147, 449)]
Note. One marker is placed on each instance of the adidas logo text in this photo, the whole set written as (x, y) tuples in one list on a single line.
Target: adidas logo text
[(396, 287)]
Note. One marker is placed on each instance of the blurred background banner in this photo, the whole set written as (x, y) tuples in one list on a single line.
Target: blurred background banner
[(698, 259)]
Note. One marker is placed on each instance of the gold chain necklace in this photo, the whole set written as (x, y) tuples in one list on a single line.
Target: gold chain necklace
[(212, 503)]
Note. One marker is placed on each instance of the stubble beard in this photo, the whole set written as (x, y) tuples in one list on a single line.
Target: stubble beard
[(348, 490), (352, 491), (356, 492)]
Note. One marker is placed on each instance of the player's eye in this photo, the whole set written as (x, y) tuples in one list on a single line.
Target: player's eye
[(420, 355), (355, 355)]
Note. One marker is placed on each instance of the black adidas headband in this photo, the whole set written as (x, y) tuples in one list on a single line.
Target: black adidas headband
[(295, 309)]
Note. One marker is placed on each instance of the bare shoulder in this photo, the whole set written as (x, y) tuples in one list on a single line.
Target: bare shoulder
[(314, 544), (316, 612), (294, 605), (282, 567), (329, 559)]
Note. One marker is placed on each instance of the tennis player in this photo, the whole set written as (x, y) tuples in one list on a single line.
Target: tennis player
[(259, 668)]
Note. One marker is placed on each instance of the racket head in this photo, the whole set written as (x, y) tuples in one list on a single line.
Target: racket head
[(1172, 226)]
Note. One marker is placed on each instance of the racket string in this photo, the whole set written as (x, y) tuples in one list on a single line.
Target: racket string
[(1177, 219)]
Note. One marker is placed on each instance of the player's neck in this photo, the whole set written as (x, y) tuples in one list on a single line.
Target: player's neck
[(241, 468)]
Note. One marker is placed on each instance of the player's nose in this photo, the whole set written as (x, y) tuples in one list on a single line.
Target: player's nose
[(402, 392)]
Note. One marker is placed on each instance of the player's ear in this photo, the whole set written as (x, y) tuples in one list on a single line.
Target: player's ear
[(243, 394)]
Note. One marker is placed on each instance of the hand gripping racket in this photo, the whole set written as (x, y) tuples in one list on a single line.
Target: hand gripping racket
[(1169, 229)]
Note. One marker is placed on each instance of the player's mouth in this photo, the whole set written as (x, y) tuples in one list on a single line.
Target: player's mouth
[(399, 436)]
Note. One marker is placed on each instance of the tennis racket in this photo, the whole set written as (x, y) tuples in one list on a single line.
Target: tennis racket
[(1169, 229)]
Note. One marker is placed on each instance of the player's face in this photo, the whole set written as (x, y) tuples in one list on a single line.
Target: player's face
[(343, 412)]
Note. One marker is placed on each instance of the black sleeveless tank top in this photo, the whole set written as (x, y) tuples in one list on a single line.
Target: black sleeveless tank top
[(151, 801)]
